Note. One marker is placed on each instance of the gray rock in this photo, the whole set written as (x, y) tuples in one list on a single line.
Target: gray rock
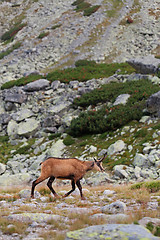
[(28, 128), (15, 180), (119, 170), (36, 85), (26, 193), (56, 149), (108, 192), (98, 179), (111, 218), (2, 168), (153, 104), (147, 64), (34, 217), (16, 97), (117, 147), (55, 85), (115, 207), (12, 128), (22, 115), (140, 160), (112, 231), (4, 118), (121, 99)]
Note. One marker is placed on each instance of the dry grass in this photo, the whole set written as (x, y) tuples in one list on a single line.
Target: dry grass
[(136, 200)]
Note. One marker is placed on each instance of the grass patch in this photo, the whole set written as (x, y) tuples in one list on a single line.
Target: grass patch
[(9, 35), (152, 186), (56, 26), (111, 118), (21, 82), (9, 50), (89, 71), (68, 140), (43, 34)]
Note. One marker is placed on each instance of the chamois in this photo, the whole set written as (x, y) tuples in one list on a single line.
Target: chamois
[(66, 168)]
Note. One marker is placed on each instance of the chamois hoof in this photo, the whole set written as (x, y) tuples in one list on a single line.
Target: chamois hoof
[(83, 198)]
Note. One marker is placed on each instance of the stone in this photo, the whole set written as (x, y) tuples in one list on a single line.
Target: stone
[(22, 115), (108, 192), (141, 160), (117, 147), (26, 193), (16, 97), (121, 99), (153, 104), (34, 217), (37, 85), (55, 85), (56, 149), (4, 118), (119, 170), (19, 179), (111, 231), (144, 119), (147, 64), (115, 207), (99, 178), (2, 168), (12, 128), (28, 128)]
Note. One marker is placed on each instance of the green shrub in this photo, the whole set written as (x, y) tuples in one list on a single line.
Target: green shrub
[(12, 32), (77, 2), (11, 49), (84, 62), (43, 34), (112, 118), (54, 135), (152, 186), (82, 6), (89, 71), (105, 119), (21, 82), (4, 139), (90, 10), (141, 133), (68, 140), (23, 150), (139, 90)]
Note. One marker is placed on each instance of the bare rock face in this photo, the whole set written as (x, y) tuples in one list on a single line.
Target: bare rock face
[(146, 65), (36, 85), (153, 104)]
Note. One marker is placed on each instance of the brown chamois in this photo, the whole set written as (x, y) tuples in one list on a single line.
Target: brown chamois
[(66, 168)]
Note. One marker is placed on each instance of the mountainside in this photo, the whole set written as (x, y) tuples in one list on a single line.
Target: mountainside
[(54, 34)]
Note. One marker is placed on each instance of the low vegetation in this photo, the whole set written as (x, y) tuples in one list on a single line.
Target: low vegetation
[(10, 34), (111, 118), (137, 201), (85, 7), (9, 50)]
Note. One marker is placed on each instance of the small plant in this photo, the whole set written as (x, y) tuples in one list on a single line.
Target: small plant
[(152, 186), (77, 2), (90, 10), (53, 136), (21, 82), (11, 49), (43, 34), (9, 35), (68, 140)]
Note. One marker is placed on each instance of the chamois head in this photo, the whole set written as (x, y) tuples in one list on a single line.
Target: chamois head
[(98, 163)]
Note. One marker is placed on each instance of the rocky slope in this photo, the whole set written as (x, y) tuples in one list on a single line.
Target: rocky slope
[(103, 36)]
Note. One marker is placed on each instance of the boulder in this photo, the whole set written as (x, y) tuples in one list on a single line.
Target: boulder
[(56, 149), (111, 231), (34, 217), (121, 99), (12, 128), (28, 128), (26, 193), (4, 118), (141, 160), (116, 147), (37, 85), (115, 207), (2, 168), (153, 104), (147, 64), (19, 179), (22, 115), (119, 170), (16, 98)]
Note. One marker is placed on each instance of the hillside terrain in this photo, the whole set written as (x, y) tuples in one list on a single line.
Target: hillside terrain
[(80, 79)]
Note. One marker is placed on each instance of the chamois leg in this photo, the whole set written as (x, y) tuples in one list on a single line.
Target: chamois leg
[(49, 184), (37, 181), (80, 189), (73, 188)]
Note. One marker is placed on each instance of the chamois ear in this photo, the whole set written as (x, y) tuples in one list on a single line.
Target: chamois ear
[(101, 159)]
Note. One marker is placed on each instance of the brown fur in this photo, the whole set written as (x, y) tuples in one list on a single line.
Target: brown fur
[(65, 168)]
